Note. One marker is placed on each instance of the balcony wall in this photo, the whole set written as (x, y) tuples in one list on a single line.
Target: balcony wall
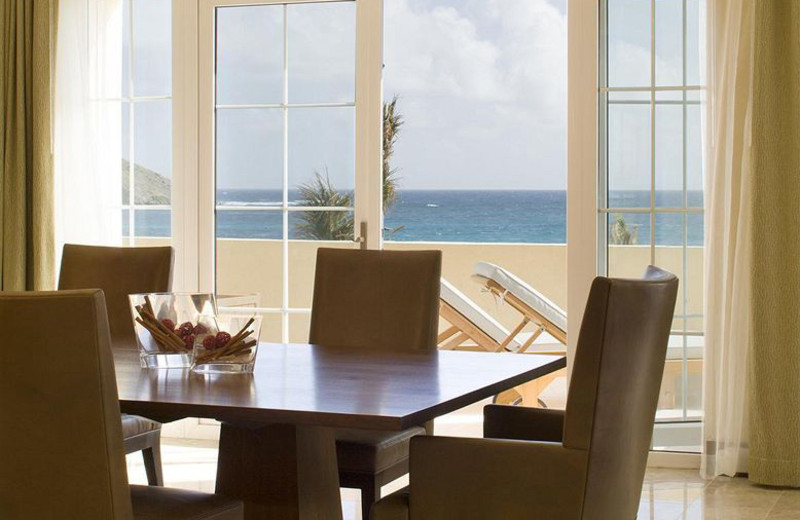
[(246, 266)]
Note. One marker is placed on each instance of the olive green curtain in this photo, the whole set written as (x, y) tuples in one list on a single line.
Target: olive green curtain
[(775, 356), (26, 163)]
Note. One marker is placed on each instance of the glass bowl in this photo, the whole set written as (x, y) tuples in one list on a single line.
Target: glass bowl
[(228, 345), (166, 325)]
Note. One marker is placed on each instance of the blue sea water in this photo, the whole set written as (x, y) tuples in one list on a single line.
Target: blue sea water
[(452, 216)]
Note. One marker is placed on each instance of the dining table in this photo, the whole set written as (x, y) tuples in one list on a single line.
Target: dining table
[(277, 450)]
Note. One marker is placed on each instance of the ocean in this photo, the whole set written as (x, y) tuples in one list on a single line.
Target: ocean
[(452, 216)]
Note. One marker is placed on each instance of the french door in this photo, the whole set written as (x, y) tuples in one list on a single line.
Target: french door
[(290, 126)]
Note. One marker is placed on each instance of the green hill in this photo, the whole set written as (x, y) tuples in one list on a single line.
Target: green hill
[(151, 188)]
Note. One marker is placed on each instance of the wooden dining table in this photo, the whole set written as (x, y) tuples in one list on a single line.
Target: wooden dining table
[(277, 451)]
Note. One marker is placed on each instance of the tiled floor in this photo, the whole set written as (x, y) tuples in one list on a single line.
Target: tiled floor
[(667, 495)]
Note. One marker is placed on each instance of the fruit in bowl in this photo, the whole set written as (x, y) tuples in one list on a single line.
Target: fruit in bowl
[(220, 346), (169, 337)]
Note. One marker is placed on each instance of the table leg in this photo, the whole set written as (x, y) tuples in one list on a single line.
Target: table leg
[(280, 471)]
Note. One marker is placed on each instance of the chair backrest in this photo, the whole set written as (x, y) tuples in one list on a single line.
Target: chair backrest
[(377, 299), (615, 384), (60, 430), (119, 272)]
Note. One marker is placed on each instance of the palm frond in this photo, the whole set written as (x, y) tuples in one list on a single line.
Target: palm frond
[(324, 225)]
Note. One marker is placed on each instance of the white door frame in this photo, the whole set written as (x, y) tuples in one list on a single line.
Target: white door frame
[(194, 210), (368, 131), (582, 159)]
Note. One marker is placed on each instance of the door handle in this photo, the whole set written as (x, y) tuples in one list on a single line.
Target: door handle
[(361, 238)]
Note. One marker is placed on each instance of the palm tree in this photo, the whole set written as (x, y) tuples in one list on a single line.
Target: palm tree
[(392, 121), (324, 225), (338, 225), (620, 234)]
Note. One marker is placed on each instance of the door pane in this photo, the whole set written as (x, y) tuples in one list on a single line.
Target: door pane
[(322, 47), (629, 155), (322, 150), (628, 43), (249, 155), (271, 159), (152, 48), (250, 55)]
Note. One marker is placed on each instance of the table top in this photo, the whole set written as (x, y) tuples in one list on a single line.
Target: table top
[(325, 386)]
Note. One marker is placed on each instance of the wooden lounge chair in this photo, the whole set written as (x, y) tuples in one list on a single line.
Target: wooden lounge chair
[(469, 323), (472, 328), (536, 309)]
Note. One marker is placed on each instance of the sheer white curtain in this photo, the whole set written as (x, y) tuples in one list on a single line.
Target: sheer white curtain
[(728, 239), (87, 122)]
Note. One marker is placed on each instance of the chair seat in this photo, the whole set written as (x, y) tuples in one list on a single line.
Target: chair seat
[(372, 451), (158, 503), (133, 425)]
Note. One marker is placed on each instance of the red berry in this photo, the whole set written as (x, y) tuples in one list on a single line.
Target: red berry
[(185, 329), (189, 340), (210, 343), (222, 338), (200, 329), (168, 323)]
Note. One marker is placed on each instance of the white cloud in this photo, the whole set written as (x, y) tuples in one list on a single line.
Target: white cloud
[(483, 92)]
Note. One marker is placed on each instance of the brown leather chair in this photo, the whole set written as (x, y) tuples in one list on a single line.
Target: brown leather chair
[(61, 431), (120, 271), (379, 300), (587, 463)]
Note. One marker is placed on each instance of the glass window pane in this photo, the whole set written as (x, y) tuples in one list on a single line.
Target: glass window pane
[(321, 225), (629, 155), (628, 43), (266, 225), (126, 227), (251, 266), (271, 327), (299, 327), (695, 43), (669, 156), (669, 42), (126, 152), (249, 156), (695, 274), (670, 255), (302, 264), (322, 155), (694, 156), (126, 47), (250, 55), (628, 244), (152, 48), (322, 52), (153, 223), (152, 152), (628, 96)]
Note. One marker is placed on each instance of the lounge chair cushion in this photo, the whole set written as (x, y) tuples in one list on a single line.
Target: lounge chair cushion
[(536, 300), (460, 302)]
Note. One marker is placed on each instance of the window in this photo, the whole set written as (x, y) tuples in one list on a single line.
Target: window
[(146, 119), (651, 179)]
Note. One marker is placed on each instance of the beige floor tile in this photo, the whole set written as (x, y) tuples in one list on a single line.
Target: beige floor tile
[(788, 501), (667, 494)]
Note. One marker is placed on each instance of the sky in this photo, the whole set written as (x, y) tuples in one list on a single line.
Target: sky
[(481, 85)]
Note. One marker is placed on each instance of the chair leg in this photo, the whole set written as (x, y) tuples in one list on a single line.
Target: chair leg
[(152, 464), (370, 493)]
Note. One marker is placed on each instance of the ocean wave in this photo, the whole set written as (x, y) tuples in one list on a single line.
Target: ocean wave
[(432, 205), (240, 204)]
